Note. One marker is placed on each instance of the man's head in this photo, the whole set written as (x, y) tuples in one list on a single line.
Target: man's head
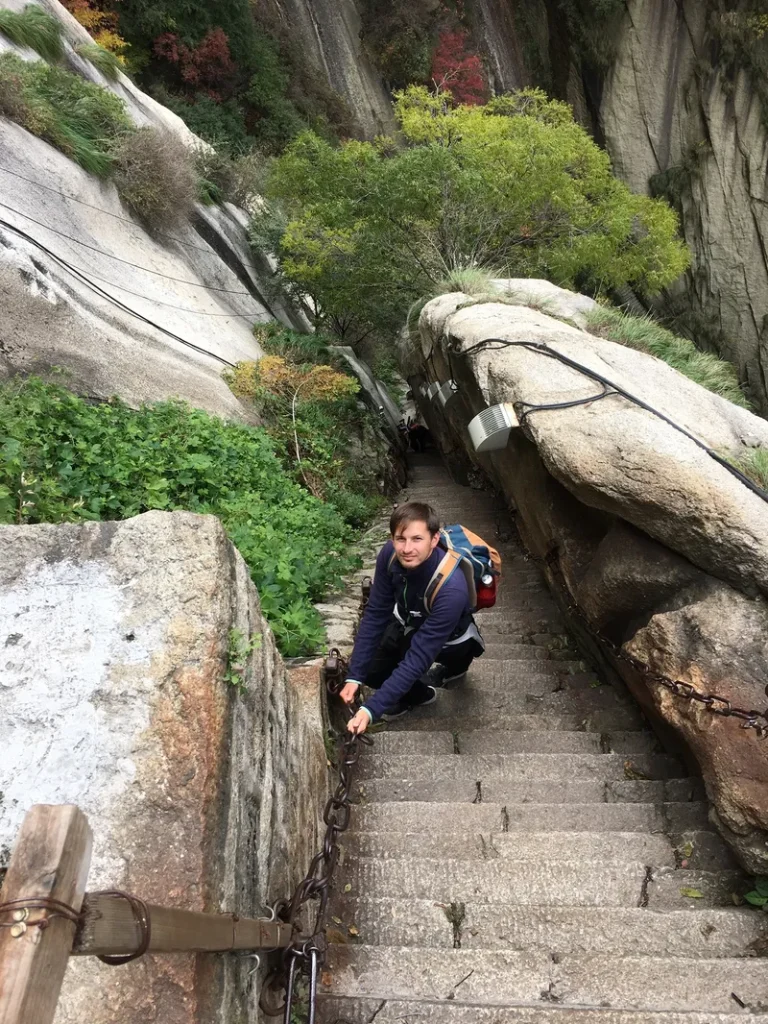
[(415, 530)]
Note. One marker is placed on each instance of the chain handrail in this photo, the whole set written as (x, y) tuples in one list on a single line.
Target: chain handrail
[(308, 946), (713, 702)]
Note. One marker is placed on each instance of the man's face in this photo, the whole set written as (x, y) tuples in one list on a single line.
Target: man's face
[(414, 544)]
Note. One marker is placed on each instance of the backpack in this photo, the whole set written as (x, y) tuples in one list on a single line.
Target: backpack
[(480, 563)]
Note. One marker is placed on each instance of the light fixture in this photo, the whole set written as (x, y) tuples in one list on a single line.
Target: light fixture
[(489, 430), (432, 390), (446, 392)]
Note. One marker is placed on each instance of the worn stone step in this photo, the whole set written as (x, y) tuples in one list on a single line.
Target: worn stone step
[(491, 978), (620, 931), (613, 720), (670, 889), (571, 883), (506, 702), (481, 741), (535, 791), (415, 816), (654, 849), (333, 1009), (519, 767)]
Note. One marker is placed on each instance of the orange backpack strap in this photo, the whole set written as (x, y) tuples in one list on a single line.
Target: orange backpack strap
[(451, 561)]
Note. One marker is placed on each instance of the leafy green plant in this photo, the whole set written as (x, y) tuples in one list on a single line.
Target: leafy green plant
[(108, 63), (63, 460), (758, 897), (35, 28), (646, 335), (239, 650), (369, 228)]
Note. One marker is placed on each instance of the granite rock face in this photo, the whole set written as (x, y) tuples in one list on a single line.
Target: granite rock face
[(698, 134), (664, 550), (114, 643), (90, 289)]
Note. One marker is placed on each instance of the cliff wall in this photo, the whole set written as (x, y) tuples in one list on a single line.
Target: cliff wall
[(120, 307)]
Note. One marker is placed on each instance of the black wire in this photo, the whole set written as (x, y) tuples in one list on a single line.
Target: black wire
[(108, 213), (139, 295), (605, 393), (594, 375), (119, 259), (113, 300)]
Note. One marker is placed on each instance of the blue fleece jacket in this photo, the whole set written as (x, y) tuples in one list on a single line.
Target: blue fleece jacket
[(451, 603)]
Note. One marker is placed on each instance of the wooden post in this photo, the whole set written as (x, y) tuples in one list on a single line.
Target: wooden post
[(51, 858), (110, 928)]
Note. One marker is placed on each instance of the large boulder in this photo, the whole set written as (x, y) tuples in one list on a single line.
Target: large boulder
[(661, 547), (116, 640)]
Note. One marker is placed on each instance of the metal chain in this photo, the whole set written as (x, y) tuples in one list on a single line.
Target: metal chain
[(307, 949), (713, 702)]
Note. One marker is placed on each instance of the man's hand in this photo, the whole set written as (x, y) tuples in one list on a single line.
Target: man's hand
[(359, 722), (349, 692)]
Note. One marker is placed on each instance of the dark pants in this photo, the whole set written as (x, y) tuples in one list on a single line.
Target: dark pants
[(393, 647)]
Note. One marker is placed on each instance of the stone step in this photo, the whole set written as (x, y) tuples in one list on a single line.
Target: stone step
[(519, 767), (491, 978), (624, 719), (491, 621), (395, 1011), (483, 741), (619, 931), (570, 883), (418, 816), (503, 790), (655, 849), (503, 703)]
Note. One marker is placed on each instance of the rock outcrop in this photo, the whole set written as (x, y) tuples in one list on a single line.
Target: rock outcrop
[(115, 641), (87, 288), (662, 548)]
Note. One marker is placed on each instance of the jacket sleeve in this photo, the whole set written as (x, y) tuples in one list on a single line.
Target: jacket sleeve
[(376, 617), (427, 643)]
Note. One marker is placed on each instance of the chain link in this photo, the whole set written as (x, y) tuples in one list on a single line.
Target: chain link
[(308, 946), (713, 702)]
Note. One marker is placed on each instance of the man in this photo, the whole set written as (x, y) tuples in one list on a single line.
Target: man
[(398, 639)]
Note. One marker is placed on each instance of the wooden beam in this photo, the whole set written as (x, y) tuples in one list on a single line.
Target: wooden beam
[(51, 859), (110, 928)]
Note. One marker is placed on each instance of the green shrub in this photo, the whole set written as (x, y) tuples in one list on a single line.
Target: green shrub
[(471, 281), (63, 460), (155, 176), (107, 62), (34, 28), (646, 335), (81, 119)]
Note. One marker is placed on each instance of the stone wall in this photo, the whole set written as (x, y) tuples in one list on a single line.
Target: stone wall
[(664, 550), (114, 643)]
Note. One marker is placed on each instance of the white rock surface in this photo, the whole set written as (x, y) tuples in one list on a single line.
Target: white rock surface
[(114, 641), (188, 299)]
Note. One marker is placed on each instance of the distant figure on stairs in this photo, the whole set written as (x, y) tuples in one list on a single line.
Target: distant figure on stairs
[(399, 638)]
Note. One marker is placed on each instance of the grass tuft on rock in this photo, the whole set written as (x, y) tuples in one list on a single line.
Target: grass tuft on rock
[(646, 335), (470, 280), (155, 176), (35, 28), (753, 463), (105, 61)]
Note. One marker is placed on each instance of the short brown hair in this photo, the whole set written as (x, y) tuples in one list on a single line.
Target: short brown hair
[(414, 512)]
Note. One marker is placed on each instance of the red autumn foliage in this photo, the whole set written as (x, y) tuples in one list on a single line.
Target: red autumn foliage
[(207, 68), (457, 68)]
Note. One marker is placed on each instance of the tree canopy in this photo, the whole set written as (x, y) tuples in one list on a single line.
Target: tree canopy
[(514, 186)]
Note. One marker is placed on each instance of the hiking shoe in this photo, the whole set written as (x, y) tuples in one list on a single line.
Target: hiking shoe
[(437, 677), (403, 708)]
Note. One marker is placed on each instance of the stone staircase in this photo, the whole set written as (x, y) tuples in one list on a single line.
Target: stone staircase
[(523, 851)]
